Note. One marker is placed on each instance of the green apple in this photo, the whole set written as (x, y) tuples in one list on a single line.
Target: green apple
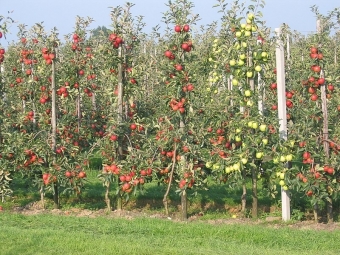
[(234, 82), (242, 56), (232, 62), (243, 25), (258, 140), (238, 138), (238, 34), (258, 68), (216, 166), (237, 46), (283, 158), (264, 54), (244, 161), (282, 183), (248, 21), (250, 103), (247, 93), (250, 124), (265, 141), (255, 125), (282, 176), (237, 166), (263, 127), (208, 164), (254, 28), (249, 74), (289, 157), (244, 44), (259, 155), (248, 27), (251, 16), (247, 33), (240, 62), (285, 187), (276, 160), (227, 169)]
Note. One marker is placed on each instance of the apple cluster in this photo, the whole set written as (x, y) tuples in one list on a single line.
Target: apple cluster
[(315, 80), (184, 28), (115, 40), (245, 64), (47, 55), (178, 105)]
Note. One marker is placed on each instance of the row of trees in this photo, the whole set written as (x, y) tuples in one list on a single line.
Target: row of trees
[(174, 108)]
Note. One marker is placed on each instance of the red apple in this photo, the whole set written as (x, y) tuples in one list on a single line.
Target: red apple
[(314, 97), (186, 28), (313, 50), (133, 126), (178, 29)]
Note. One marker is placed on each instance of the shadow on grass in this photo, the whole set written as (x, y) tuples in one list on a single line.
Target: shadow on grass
[(219, 199), (23, 191)]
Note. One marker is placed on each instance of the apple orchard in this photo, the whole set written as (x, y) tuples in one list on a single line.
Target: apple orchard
[(182, 109)]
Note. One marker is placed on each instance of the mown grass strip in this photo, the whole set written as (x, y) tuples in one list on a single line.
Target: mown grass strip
[(52, 234)]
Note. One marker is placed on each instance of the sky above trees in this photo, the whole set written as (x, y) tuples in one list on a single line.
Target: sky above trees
[(61, 14)]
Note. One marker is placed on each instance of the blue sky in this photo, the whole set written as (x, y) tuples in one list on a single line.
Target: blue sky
[(61, 13)]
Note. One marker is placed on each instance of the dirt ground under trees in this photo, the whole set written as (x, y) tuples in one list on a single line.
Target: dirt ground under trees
[(270, 221)]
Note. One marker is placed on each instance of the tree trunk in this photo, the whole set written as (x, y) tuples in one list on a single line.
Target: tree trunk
[(184, 205), (165, 197), (107, 198), (42, 200), (78, 107), (254, 193), (94, 105), (316, 213), (244, 192), (329, 210), (56, 195), (119, 202)]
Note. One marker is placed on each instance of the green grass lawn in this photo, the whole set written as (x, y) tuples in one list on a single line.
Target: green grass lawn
[(52, 234)]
